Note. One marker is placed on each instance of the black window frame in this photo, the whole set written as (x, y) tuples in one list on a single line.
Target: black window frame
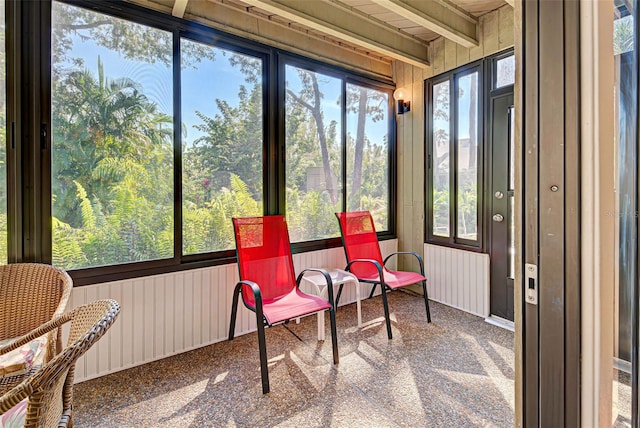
[(453, 77), (298, 61), (487, 76), (37, 54)]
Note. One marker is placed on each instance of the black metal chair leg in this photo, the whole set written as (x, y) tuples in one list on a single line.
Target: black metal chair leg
[(234, 311), (334, 335), (372, 290), (262, 344), (386, 310), (426, 300), (339, 294)]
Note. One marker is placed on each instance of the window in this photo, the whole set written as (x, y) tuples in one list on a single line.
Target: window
[(455, 137), (222, 144), (325, 155), (368, 147), (505, 71), (455, 140), (440, 146), (466, 149), (314, 154), (163, 130), (112, 140)]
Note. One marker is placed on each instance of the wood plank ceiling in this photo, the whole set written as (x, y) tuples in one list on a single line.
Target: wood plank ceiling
[(384, 29)]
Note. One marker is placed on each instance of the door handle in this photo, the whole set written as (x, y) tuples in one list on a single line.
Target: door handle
[(498, 218)]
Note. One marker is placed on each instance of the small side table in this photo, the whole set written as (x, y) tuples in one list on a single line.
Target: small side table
[(318, 285)]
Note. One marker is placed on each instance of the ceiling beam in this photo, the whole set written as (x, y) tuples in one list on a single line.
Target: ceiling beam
[(438, 16), (179, 7), (346, 24)]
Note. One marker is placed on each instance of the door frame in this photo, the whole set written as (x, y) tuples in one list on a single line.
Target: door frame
[(598, 269), (550, 125)]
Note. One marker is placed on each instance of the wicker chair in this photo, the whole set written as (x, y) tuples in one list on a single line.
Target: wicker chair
[(30, 295), (45, 399)]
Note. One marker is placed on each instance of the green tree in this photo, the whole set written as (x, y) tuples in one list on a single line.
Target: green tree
[(310, 98), (133, 41), (112, 192), (97, 124)]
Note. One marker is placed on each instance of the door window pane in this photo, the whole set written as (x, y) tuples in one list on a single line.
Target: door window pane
[(368, 153), (313, 127), (223, 126), (112, 140), (467, 155), (441, 186)]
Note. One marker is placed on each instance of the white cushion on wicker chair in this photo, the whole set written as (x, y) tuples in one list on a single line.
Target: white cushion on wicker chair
[(15, 417), (21, 360)]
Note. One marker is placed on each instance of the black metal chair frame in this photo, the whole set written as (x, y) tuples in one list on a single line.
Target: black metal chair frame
[(384, 287), (262, 321)]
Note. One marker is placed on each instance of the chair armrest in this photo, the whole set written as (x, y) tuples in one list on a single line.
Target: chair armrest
[(327, 277), (35, 333), (413, 253), (374, 262), (255, 289), (13, 396)]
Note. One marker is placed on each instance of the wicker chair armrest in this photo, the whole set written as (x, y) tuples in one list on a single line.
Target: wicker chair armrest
[(15, 395), (35, 333)]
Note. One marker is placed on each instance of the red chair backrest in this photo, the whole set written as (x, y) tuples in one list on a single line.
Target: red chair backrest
[(264, 255), (360, 241)]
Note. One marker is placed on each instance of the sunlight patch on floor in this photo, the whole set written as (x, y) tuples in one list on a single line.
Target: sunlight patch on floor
[(219, 378), (164, 406), (494, 373), (371, 353), (405, 394), (315, 375)]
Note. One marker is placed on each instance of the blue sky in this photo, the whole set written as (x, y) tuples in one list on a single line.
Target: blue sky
[(211, 80)]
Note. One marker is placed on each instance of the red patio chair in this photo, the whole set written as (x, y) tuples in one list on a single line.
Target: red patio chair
[(268, 283), (364, 259)]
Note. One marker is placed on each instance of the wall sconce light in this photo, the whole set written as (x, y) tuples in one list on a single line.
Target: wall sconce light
[(400, 96)]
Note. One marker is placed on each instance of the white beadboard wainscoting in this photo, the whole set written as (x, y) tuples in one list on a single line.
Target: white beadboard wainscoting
[(458, 278), (164, 315)]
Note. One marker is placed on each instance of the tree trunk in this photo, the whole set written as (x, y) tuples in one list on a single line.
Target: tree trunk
[(322, 138), (359, 149)]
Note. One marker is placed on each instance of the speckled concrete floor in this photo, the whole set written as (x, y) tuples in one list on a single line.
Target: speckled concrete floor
[(457, 371)]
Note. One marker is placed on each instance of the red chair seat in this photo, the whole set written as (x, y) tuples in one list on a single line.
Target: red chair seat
[(292, 305), (364, 258), (396, 279)]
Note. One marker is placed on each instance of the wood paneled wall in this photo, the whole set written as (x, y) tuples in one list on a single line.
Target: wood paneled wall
[(168, 314), (458, 278), (496, 34)]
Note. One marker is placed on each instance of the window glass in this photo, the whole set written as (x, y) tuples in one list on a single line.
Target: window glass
[(505, 71), (222, 139), (467, 155), (626, 212), (440, 159), (112, 140), (313, 128), (368, 153), (623, 30)]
